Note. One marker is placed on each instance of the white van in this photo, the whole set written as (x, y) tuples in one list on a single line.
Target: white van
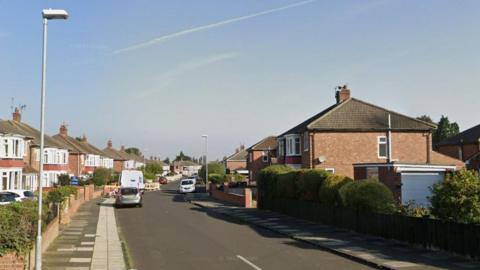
[(133, 179)]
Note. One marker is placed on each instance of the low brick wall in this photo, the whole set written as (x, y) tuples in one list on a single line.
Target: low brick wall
[(12, 262), (244, 200)]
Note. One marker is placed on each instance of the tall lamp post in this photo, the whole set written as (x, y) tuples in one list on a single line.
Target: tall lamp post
[(47, 14), (206, 161)]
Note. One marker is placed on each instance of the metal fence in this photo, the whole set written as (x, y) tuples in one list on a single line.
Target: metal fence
[(462, 239)]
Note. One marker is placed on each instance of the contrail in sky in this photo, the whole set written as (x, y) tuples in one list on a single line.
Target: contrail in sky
[(208, 26)]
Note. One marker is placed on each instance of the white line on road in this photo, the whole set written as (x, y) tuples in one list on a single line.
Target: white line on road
[(249, 263)]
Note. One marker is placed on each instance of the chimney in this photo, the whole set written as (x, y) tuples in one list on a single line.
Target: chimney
[(84, 138), (17, 115), (342, 94), (63, 130), (109, 144), (122, 148), (242, 147), (236, 150)]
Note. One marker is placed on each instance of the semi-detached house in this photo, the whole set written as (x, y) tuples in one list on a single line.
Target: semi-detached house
[(361, 140), (20, 149), (85, 158), (119, 158), (260, 155)]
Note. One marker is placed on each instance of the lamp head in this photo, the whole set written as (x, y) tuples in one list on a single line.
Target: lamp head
[(54, 14)]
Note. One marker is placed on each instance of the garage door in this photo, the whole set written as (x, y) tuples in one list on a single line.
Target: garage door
[(415, 186)]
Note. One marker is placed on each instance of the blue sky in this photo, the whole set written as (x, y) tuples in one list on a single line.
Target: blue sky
[(158, 74)]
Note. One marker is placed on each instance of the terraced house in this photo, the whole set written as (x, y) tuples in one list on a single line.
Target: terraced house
[(361, 140)]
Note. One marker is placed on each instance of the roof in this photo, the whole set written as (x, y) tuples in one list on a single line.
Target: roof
[(113, 153), (471, 135), (15, 127), (357, 115), (76, 146), (268, 143), (238, 156), (185, 163)]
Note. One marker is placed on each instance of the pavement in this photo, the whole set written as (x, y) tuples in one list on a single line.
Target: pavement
[(170, 233), (374, 251), (89, 241)]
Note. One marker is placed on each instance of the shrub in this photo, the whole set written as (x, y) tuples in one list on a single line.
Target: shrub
[(267, 181), (64, 180), (457, 198), (216, 178), (101, 176), (149, 175), (213, 168), (286, 185), (309, 182), (367, 195), (59, 194), (411, 209), (328, 191)]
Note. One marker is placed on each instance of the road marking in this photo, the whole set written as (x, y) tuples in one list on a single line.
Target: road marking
[(249, 263)]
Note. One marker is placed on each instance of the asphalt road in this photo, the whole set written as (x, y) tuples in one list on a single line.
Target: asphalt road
[(169, 233)]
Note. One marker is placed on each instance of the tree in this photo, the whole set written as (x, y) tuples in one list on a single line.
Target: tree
[(154, 168), (457, 198), (445, 130), (134, 150), (426, 118), (102, 176), (166, 160), (213, 168), (182, 156)]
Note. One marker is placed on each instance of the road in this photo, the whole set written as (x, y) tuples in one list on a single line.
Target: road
[(169, 233)]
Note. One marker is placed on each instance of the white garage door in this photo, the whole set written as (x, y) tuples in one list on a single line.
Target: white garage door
[(415, 186)]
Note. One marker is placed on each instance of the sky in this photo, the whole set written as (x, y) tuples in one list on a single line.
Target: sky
[(159, 74)]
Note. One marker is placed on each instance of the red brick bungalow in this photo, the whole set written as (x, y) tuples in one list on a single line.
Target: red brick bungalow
[(354, 138)]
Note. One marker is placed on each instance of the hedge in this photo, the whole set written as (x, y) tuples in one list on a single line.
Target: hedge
[(369, 195), (309, 182), (267, 180), (286, 185), (328, 191)]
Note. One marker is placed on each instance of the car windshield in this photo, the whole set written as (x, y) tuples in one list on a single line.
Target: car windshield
[(128, 191), (186, 182), (28, 194)]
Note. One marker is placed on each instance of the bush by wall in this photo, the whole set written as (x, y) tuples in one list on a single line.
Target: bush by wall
[(286, 185), (267, 181), (328, 191), (457, 198), (369, 195), (309, 183), (213, 168), (216, 178)]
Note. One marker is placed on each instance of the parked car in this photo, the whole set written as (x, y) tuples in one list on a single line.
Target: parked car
[(129, 196), (7, 198), (162, 180), (21, 194), (187, 186)]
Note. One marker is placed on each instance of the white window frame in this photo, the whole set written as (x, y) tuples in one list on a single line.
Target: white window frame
[(306, 142), (330, 170), (379, 143), (281, 147), (265, 157), (292, 141), (12, 147), (13, 177)]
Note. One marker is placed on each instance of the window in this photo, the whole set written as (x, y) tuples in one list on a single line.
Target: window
[(306, 142), (265, 156), (281, 147), (330, 170), (293, 145), (12, 147), (372, 172), (382, 146)]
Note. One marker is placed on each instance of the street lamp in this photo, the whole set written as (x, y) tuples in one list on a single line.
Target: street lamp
[(206, 161), (47, 14)]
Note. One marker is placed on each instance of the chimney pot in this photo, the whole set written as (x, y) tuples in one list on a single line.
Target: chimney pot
[(109, 144), (63, 130), (17, 115), (342, 94), (122, 148), (84, 138)]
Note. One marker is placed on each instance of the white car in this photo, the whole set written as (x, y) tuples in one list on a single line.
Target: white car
[(22, 194), (186, 186)]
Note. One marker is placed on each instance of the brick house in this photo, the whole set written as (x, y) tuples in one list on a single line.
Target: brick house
[(237, 162), (118, 158), (55, 155), (85, 158), (352, 131), (464, 146), (261, 155)]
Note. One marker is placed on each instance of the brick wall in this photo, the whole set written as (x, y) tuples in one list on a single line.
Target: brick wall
[(255, 163), (342, 149), (244, 201), (117, 166), (236, 164), (468, 150), (11, 261), (75, 165)]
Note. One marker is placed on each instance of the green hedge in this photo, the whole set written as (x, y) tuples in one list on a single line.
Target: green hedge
[(286, 185), (267, 181), (309, 182), (369, 195), (328, 192), (216, 178)]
